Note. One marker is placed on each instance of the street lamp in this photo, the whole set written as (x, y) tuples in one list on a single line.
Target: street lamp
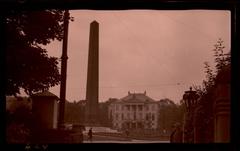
[(63, 71), (190, 100)]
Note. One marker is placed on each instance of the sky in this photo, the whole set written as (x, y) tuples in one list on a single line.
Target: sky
[(158, 51)]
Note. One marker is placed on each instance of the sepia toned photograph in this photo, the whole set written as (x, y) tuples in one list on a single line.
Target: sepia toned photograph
[(118, 76)]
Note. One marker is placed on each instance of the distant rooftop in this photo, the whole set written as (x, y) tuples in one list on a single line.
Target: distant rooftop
[(44, 94), (166, 102), (137, 97)]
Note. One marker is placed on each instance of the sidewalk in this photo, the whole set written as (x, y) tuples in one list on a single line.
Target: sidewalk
[(125, 142)]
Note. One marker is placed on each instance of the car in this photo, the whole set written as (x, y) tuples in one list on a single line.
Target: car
[(78, 127)]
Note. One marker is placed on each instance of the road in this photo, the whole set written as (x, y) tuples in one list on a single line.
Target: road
[(122, 140), (126, 142)]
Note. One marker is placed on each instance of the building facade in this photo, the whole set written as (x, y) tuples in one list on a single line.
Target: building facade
[(134, 111), (45, 109)]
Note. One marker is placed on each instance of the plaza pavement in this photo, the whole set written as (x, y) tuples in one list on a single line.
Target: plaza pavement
[(125, 142)]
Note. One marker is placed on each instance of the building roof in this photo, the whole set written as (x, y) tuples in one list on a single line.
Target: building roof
[(165, 102), (137, 98), (44, 94), (112, 100)]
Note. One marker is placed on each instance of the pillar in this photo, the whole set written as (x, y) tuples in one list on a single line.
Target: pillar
[(222, 114), (92, 75)]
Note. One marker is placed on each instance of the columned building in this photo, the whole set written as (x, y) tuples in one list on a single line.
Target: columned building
[(134, 111)]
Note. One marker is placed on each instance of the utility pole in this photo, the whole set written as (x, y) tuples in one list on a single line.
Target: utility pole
[(63, 70)]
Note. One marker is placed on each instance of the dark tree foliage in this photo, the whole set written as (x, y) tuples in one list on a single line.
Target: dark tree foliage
[(19, 122), (103, 114), (205, 109), (74, 112), (28, 65), (169, 114)]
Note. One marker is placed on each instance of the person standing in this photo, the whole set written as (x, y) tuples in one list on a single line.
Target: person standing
[(81, 136), (90, 134), (172, 136), (127, 133), (177, 134)]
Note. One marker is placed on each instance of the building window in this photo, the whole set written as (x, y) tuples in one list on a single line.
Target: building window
[(111, 113), (134, 107), (122, 116), (128, 116), (116, 116), (153, 107), (128, 107), (140, 107), (140, 115), (146, 107), (153, 117), (116, 107)]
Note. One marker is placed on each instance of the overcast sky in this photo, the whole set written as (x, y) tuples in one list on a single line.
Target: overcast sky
[(161, 52)]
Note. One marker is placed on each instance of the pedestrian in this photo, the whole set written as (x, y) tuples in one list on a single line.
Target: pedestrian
[(177, 134), (81, 137), (90, 134), (172, 136), (127, 133)]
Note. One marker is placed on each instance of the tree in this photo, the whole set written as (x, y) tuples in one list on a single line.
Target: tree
[(28, 65), (169, 114), (19, 121), (74, 112), (103, 113), (205, 113)]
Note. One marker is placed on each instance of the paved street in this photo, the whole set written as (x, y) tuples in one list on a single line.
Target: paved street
[(125, 142), (110, 139)]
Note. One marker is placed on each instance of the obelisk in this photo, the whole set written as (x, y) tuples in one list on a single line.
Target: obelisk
[(91, 114)]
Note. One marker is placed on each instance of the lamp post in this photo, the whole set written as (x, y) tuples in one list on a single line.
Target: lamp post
[(190, 100), (63, 71)]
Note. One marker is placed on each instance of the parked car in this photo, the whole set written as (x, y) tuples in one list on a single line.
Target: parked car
[(78, 127)]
